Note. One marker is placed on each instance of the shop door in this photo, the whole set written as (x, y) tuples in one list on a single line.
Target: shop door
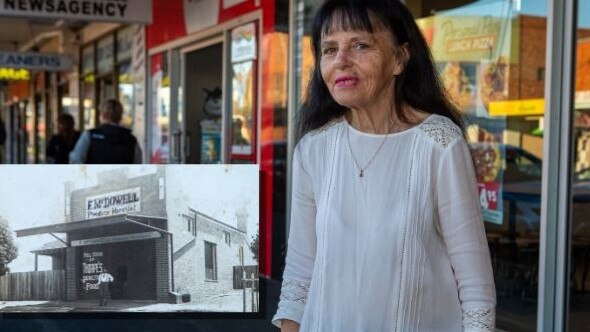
[(202, 104)]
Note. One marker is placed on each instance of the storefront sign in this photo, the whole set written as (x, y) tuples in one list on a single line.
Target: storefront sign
[(517, 107), (125, 11), (117, 238), (243, 44), (489, 197), (582, 100), (12, 74), (92, 267), (115, 203), (36, 61), (471, 38)]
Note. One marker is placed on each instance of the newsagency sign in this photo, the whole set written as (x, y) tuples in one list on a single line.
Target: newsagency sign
[(114, 203), (125, 11), (36, 61)]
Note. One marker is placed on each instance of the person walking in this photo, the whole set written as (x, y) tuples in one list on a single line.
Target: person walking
[(386, 229), (104, 280), (109, 143), (59, 147)]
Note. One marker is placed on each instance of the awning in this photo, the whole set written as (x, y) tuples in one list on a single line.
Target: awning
[(67, 227), (50, 248)]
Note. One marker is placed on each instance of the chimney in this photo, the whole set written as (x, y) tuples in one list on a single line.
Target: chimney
[(119, 175), (68, 187), (242, 217)]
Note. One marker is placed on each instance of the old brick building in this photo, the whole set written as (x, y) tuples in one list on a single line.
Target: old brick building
[(156, 247)]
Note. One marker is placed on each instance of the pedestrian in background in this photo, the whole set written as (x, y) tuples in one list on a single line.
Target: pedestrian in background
[(386, 230), (109, 143), (104, 281), (60, 145)]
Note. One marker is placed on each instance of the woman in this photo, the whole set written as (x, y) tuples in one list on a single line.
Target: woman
[(386, 230), (61, 144)]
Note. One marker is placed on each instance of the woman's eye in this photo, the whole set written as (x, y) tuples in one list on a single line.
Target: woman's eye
[(329, 50), (361, 46)]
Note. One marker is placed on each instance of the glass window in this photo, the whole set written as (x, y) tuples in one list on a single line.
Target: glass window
[(105, 55), (126, 96), (210, 261), (579, 297), (160, 105), (125, 44), (227, 237), (491, 59), (88, 59)]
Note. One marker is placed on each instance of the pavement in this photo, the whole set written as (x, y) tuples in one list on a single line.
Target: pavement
[(74, 321)]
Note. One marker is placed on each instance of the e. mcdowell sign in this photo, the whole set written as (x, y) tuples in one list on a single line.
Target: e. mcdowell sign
[(114, 203)]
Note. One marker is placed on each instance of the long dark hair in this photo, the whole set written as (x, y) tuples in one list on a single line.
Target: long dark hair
[(418, 86)]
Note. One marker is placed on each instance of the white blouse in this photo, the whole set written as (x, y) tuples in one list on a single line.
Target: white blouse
[(402, 248)]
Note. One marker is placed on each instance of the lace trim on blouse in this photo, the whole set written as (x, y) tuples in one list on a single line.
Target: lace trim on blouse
[(294, 291), (441, 129), (479, 319)]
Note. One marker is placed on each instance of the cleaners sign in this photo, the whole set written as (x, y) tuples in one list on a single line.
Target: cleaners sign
[(36, 61), (125, 11), (114, 203)]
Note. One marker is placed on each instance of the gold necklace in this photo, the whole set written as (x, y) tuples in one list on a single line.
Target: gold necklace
[(361, 170)]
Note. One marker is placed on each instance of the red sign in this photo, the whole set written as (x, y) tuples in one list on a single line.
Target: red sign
[(488, 195)]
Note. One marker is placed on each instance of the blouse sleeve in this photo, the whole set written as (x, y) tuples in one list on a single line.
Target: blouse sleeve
[(301, 246), (463, 231)]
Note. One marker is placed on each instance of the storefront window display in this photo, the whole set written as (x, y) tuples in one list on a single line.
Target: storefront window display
[(125, 75), (491, 59), (160, 94), (244, 65), (87, 88)]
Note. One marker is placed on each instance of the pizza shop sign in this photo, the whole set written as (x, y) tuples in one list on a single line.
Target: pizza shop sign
[(114, 203)]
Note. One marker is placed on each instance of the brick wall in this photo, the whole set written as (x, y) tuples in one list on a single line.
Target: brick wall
[(163, 273), (71, 274), (116, 180)]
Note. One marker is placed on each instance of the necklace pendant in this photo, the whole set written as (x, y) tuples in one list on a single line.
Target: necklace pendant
[(361, 173)]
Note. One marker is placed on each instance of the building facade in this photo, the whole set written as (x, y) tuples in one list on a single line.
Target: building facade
[(155, 249)]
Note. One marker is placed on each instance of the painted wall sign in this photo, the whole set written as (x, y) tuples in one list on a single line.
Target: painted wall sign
[(114, 203), (13, 74), (126, 11), (117, 238), (36, 61), (92, 267), (243, 43)]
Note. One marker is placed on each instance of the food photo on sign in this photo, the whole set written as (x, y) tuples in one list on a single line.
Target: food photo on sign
[(131, 239)]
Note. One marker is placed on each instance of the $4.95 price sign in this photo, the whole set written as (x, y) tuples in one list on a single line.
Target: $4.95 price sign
[(489, 193)]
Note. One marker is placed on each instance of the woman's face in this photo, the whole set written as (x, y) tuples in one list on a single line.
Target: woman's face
[(359, 67)]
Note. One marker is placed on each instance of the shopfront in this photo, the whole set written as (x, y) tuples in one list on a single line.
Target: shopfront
[(500, 64), (218, 95)]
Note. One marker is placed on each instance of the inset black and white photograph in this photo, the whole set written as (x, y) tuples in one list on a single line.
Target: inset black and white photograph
[(142, 238)]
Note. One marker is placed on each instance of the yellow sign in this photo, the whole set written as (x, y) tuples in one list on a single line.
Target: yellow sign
[(517, 107), (471, 38), (12, 74)]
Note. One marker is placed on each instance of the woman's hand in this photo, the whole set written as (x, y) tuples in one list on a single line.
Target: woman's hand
[(289, 326)]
